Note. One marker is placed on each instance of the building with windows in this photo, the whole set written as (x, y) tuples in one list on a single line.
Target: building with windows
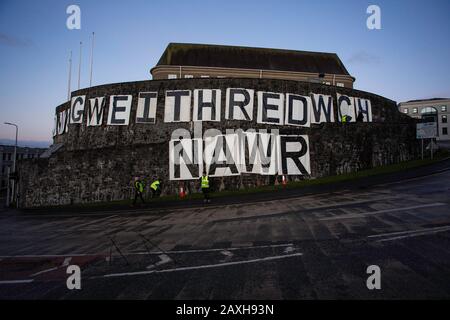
[(7, 159), (181, 60), (437, 108)]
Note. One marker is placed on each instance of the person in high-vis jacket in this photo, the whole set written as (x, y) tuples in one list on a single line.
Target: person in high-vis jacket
[(155, 187), (205, 187), (345, 118), (139, 187)]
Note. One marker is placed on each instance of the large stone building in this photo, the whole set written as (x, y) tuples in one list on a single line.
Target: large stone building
[(437, 108), (107, 135), (181, 60)]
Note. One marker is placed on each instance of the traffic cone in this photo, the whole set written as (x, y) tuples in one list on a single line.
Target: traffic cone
[(182, 192)]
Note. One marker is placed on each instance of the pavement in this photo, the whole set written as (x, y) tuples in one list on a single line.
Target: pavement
[(290, 246)]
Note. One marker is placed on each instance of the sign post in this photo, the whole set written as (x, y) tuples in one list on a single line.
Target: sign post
[(427, 130), (422, 148)]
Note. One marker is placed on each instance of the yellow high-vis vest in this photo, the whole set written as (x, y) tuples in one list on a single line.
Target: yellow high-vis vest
[(139, 186), (205, 182), (155, 185)]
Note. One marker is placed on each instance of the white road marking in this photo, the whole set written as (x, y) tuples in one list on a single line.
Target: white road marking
[(164, 259), (404, 232), (64, 264), (208, 266), (227, 253), (227, 249), (416, 233), (148, 253), (361, 215), (289, 249), (16, 281), (44, 271), (66, 261), (53, 255)]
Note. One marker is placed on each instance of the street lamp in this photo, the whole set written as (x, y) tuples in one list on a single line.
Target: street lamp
[(15, 155)]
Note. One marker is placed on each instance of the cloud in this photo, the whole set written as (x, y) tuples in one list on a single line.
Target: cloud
[(11, 41), (363, 57)]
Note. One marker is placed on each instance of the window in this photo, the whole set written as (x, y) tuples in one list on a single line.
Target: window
[(339, 84), (405, 110), (9, 156), (444, 130), (172, 76), (414, 110), (4, 156), (429, 110), (444, 119), (188, 76), (443, 108), (204, 76)]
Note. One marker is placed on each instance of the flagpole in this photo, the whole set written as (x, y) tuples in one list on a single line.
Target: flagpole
[(92, 59), (70, 76), (79, 67)]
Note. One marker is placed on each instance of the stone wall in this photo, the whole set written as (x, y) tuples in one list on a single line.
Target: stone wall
[(99, 163)]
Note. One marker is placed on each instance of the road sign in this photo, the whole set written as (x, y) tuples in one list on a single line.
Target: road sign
[(426, 130)]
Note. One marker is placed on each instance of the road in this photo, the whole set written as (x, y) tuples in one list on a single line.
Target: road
[(307, 247)]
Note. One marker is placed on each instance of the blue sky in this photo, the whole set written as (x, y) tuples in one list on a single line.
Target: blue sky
[(408, 58)]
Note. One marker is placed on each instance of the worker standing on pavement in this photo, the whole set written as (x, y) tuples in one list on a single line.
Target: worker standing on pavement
[(138, 190), (155, 187), (205, 187)]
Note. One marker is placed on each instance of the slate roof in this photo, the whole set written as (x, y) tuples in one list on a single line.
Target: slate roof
[(205, 55)]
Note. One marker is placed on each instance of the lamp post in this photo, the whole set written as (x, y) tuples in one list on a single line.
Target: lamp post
[(14, 160)]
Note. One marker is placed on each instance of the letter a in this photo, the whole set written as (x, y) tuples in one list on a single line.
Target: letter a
[(74, 20), (374, 20), (374, 280), (73, 281)]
